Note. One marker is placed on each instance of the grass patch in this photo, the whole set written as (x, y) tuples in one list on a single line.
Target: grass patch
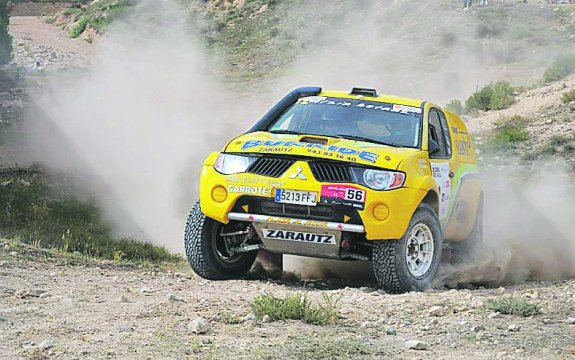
[(324, 346), (568, 96), (509, 131), (97, 14), (297, 307), (514, 306), (36, 213), (494, 96), (492, 22), (455, 106), (557, 145), (79, 27), (229, 318), (561, 67), (5, 37)]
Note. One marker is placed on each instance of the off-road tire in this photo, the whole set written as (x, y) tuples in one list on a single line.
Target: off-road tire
[(202, 257), (389, 259), (470, 248)]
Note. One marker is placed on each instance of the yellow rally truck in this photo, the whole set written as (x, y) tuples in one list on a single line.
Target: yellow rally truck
[(341, 175)]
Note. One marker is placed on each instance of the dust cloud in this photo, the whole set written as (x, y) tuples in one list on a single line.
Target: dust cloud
[(529, 233), (134, 128)]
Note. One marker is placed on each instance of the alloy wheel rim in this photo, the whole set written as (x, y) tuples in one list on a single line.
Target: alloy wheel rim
[(419, 250)]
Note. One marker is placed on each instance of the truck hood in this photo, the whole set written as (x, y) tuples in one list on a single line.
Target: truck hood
[(322, 147)]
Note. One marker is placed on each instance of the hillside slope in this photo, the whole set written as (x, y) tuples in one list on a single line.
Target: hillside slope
[(424, 49)]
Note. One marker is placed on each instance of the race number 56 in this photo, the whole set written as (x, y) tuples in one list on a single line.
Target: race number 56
[(355, 195)]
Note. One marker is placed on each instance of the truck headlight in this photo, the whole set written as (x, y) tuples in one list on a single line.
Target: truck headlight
[(228, 164), (382, 179)]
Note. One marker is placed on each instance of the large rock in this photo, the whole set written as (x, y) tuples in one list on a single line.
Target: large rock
[(199, 326), (416, 345), (437, 311)]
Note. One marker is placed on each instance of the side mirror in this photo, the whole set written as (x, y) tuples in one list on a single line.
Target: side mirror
[(433, 147)]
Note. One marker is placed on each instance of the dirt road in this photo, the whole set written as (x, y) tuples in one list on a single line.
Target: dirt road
[(52, 308), (39, 45)]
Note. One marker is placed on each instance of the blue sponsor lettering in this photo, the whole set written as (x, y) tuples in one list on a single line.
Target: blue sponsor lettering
[(251, 143), (348, 151), (293, 143), (368, 156), (315, 146), (363, 155)]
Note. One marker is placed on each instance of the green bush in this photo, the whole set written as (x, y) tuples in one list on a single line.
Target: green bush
[(455, 106), (495, 96), (514, 306), (34, 213), (79, 27), (509, 130), (568, 96), (5, 38), (558, 145), (561, 67), (296, 307), (491, 22)]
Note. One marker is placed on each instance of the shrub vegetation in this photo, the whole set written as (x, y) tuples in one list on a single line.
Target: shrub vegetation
[(568, 96), (514, 306), (508, 131), (296, 307), (562, 67), (495, 96), (5, 38), (455, 106), (35, 213)]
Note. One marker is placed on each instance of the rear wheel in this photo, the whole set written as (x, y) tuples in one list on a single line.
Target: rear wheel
[(207, 251), (410, 263)]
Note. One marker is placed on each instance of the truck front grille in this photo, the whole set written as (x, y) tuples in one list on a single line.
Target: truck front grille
[(272, 167), (325, 171)]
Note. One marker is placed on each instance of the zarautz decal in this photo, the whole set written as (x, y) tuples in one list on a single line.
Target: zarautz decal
[(299, 236), (285, 145), (343, 194)]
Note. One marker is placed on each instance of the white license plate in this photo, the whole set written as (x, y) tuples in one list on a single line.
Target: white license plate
[(296, 197)]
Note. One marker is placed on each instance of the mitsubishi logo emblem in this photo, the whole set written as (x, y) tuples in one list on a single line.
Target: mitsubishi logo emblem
[(298, 174)]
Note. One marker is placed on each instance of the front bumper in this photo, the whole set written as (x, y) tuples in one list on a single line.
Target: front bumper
[(264, 219), (220, 195), (310, 246)]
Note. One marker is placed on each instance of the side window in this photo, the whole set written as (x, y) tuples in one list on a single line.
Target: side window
[(437, 128), (446, 135)]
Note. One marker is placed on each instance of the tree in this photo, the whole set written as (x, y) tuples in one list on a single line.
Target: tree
[(5, 38)]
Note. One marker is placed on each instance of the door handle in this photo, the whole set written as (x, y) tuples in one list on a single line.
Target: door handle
[(451, 174)]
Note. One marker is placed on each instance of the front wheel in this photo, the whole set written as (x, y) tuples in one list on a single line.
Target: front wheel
[(207, 252), (410, 263)]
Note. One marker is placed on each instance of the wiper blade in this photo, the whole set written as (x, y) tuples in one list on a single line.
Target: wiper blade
[(366, 139), (287, 132)]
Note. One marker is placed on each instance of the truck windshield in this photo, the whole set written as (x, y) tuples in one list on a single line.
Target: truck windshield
[(378, 122)]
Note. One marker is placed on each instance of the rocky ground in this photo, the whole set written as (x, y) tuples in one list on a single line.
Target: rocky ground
[(58, 307)]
